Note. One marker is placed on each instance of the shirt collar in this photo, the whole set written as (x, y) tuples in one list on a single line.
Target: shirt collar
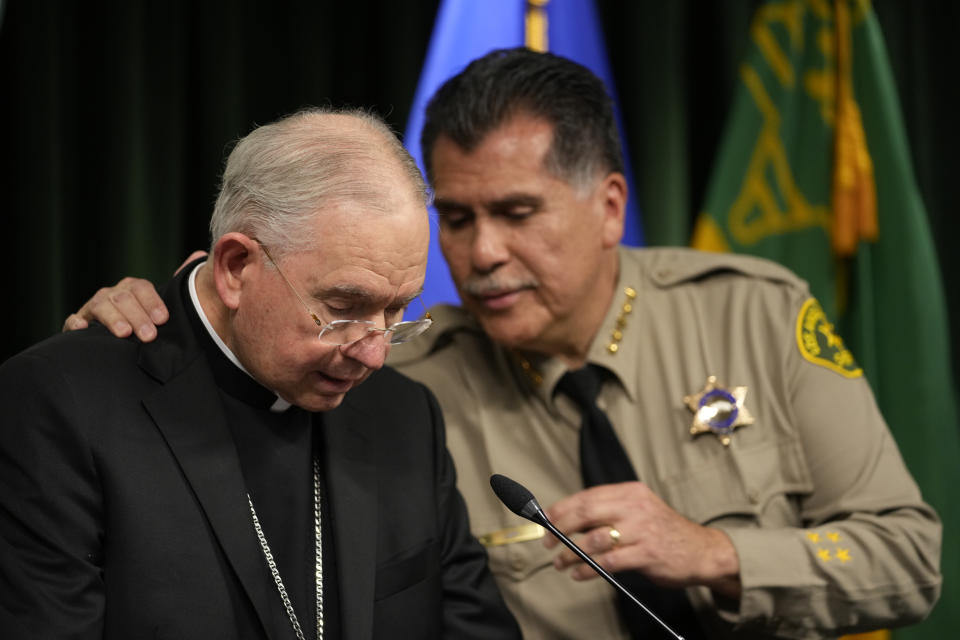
[(280, 405), (621, 362), (623, 315)]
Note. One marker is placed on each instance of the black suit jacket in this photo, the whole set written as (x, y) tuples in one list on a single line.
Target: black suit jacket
[(123, 512)]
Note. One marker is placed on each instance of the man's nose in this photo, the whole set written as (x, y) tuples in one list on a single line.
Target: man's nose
[(370, 351), (489, 249)]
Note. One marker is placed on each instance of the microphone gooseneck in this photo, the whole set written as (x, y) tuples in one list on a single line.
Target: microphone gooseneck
[(519, 500)]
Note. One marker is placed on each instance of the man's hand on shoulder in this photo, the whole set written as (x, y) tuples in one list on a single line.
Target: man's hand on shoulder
[(132, 302), (649, 537)]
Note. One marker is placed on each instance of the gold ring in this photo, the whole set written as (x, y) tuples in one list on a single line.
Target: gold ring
[(614, 537)]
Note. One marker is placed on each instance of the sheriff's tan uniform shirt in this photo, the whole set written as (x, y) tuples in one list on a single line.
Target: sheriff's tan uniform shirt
[(829, 527)]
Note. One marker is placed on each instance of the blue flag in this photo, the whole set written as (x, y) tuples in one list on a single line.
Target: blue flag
[(467, 29)]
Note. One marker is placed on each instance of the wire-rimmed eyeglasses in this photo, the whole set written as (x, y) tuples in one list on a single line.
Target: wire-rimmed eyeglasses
[(344, 332)]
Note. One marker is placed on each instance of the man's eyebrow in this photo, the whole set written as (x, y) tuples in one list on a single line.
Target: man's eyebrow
[(404, 302), (449, 205), (361, 295), (517, 200)]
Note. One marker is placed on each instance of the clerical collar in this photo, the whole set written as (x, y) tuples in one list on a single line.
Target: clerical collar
[(280, 405)]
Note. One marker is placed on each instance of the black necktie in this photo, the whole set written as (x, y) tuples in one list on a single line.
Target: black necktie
[(604, 461), (602, 458)]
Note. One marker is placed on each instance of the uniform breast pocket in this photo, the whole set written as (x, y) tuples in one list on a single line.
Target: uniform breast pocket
[(520, 561), (743, 486)]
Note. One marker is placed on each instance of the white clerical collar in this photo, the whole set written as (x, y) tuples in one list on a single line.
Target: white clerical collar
[(280, 405)]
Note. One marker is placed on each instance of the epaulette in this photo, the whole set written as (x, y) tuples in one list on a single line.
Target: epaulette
[(670, 267), (448, 320)]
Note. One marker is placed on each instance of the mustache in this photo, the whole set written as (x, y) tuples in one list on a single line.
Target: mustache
[(490, 284)]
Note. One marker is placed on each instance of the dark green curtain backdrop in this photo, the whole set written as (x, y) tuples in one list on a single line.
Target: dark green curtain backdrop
[(117, 115)]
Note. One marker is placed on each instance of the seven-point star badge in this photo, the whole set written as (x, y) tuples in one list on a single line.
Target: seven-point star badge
[(718, 410)]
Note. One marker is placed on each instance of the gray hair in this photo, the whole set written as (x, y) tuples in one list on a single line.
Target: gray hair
[(281, 174)]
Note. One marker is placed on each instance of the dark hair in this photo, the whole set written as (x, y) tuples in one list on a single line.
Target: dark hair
[(507, 82)]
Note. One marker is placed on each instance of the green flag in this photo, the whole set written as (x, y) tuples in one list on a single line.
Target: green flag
[(814, 172)]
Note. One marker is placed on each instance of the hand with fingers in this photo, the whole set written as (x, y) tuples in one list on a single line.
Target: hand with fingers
[(132, 302), (628, 527)]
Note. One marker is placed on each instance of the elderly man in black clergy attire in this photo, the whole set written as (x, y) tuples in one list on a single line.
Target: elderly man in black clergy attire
[(226, 480)]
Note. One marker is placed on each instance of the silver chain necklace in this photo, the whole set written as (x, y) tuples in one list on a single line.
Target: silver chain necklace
[(318, 557)]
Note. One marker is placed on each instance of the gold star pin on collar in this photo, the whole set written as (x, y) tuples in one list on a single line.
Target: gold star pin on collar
[(718, 410)]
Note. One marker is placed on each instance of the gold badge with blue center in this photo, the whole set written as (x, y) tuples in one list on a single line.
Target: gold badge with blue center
[(718, 410)]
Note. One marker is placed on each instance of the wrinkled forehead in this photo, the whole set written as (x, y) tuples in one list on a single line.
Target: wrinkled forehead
[(387, 244), (377, 200)]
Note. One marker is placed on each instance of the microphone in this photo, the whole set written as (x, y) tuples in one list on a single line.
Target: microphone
[(518, 499)]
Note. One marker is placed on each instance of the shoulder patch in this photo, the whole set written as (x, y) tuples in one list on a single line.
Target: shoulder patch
[(820, 345)]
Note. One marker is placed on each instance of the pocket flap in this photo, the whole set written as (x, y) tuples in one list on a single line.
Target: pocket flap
[(738, 482), (406, 569)]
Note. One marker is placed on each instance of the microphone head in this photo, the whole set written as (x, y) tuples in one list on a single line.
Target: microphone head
[(515, 496)]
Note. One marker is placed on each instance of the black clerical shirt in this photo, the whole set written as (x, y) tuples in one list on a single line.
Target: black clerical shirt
[(276, 450)]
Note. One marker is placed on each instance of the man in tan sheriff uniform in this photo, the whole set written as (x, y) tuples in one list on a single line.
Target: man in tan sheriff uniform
[(769, 485)]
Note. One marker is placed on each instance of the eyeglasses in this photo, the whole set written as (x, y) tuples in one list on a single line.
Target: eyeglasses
[(344, 332)]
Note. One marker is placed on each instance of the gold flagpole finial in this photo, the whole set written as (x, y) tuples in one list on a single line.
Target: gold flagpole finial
[(536, 25)]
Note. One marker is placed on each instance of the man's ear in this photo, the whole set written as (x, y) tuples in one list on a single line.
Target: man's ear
[(234, 255), (612, 199)]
